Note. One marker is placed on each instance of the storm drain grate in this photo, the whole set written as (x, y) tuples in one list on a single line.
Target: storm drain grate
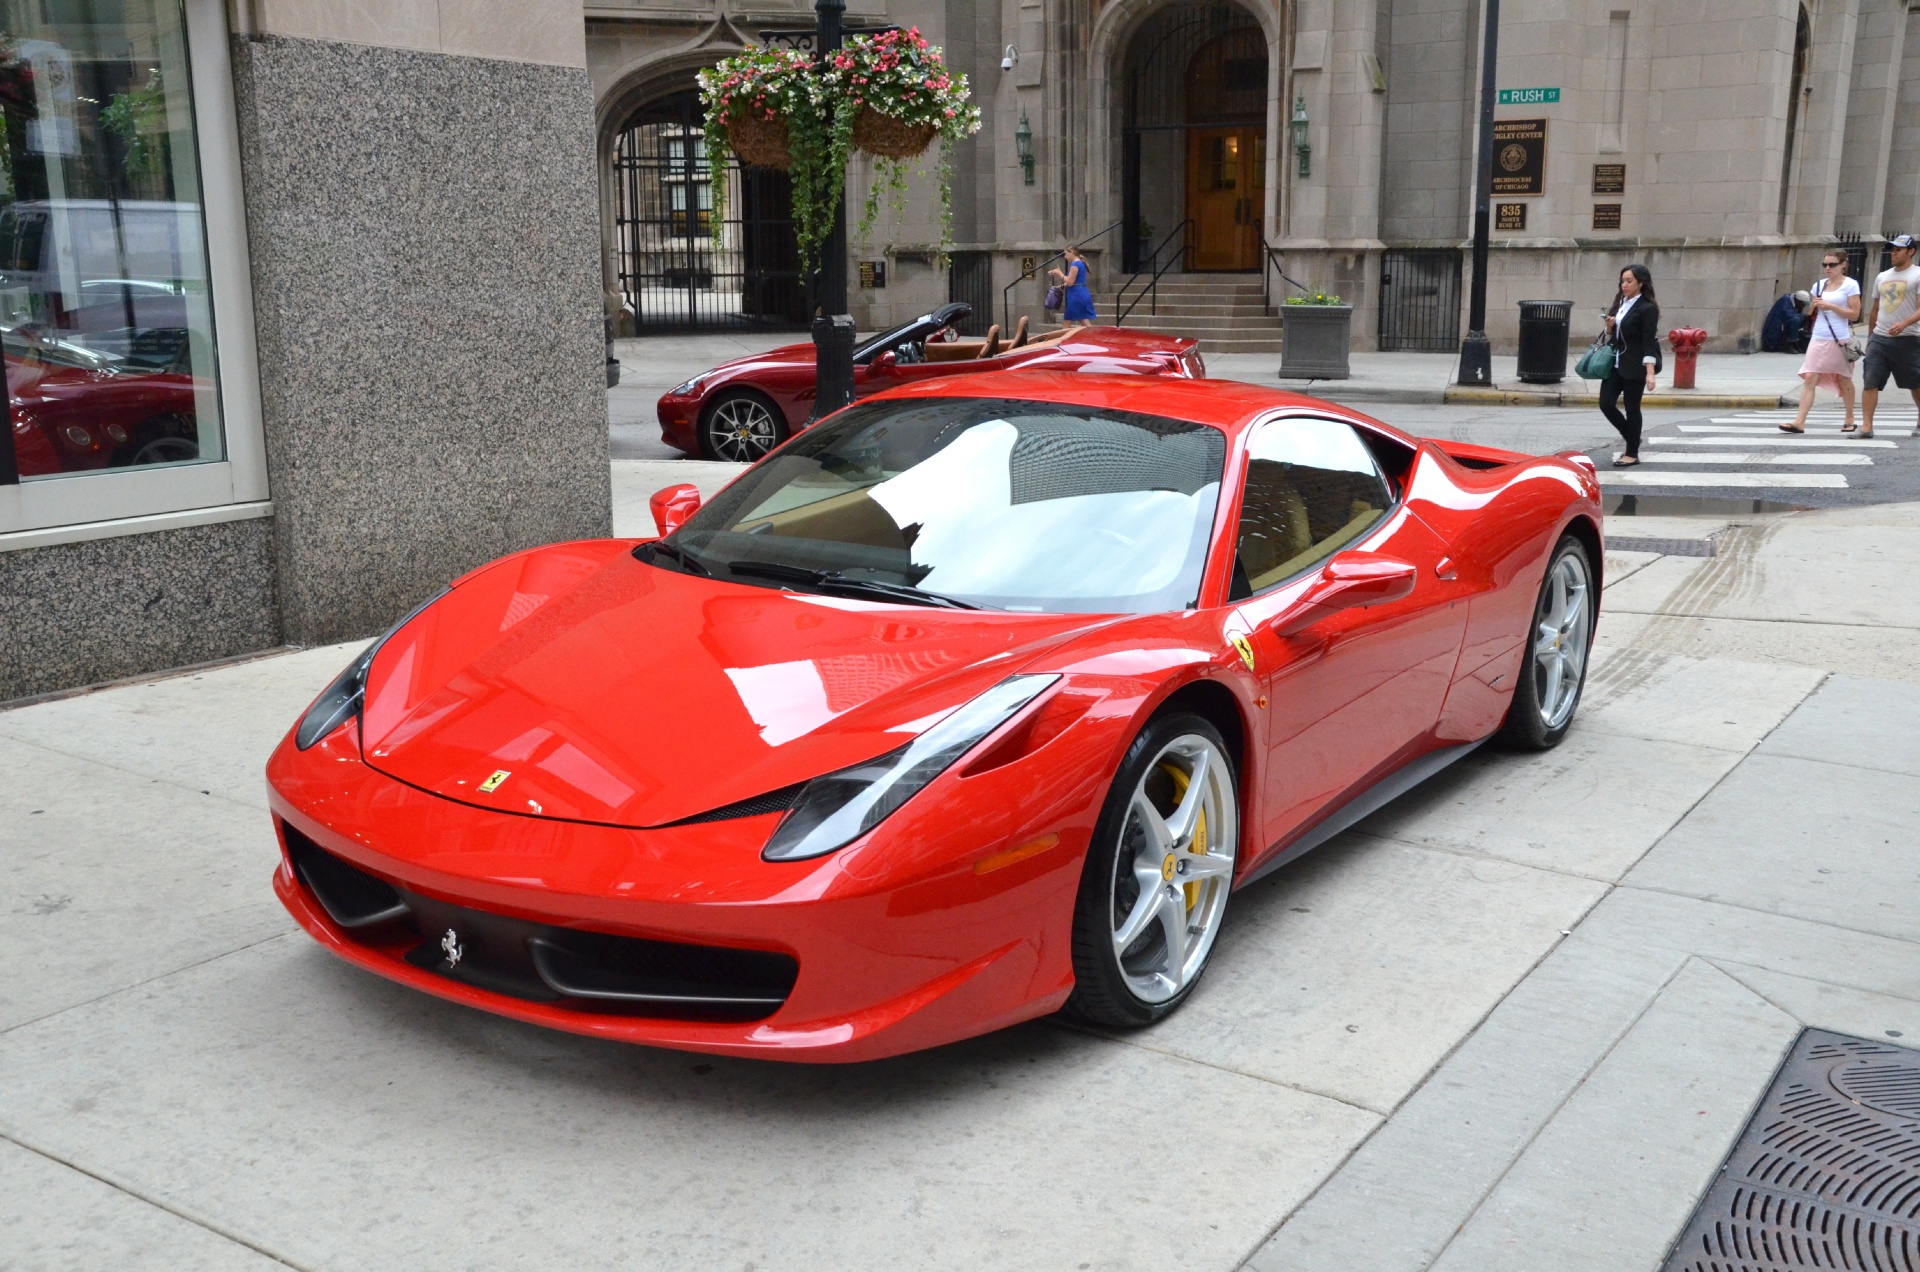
[(1826, 1175)]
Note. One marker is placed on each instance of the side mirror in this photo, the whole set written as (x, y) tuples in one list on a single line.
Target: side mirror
[(672, 507), (1351, 580), (884, 363)]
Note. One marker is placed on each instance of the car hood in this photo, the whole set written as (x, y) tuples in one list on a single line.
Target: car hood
[(609, 690)]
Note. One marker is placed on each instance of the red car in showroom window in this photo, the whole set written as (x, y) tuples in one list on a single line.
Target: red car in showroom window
[(742, 409), (976, 701)]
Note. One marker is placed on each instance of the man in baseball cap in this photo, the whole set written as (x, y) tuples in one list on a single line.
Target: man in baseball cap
[(1893, 348)]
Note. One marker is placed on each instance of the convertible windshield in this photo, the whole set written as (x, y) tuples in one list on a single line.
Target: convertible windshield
[(1005, 504)]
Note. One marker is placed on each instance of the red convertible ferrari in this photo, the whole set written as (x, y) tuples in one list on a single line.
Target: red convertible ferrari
[(976, 701), (742, 409)]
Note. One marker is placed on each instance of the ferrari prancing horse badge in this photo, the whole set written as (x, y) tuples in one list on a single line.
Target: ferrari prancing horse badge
[(493, 781), (1245, 648)]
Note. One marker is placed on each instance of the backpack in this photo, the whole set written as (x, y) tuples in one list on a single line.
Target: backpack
[(1781, 331)]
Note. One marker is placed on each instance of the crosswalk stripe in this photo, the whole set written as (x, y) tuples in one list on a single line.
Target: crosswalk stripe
[(1761, 429), (1881, 416), (1769, 481), (1730, 460), (1801, 443)]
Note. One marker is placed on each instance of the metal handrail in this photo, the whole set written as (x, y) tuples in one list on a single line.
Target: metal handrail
[(1152, 287), (1271, 257), (1006, 312)]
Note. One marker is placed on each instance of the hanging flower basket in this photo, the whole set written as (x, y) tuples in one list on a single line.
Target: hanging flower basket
[(761, 143), (888, 138)]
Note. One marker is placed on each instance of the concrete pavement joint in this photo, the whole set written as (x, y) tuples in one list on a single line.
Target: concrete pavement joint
[(1074, 1027), (198, 1221), (1728, 966), (151, 980), (1586, 1075), (146, 777)]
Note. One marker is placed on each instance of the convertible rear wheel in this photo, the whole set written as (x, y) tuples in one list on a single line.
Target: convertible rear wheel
[(741, 427), (1558, 643), (1154, 890)]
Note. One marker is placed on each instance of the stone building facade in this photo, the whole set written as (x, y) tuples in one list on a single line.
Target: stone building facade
[(1722, 142)]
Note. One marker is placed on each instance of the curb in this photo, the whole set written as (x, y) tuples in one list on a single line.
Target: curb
[(1474, 396)]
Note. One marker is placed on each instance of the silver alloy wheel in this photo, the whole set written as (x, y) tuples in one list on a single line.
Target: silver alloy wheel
[(1174, 868), (742, 429), (1561, 632)]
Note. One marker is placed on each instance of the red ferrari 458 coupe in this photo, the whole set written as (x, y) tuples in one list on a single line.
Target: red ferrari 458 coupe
[(976, 701), (742, 409)]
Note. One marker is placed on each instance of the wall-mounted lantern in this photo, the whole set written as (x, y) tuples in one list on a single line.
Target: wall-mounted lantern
[(1023, 147), (1300, 145)]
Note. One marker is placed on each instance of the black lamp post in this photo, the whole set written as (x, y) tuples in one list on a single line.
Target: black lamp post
[(1476, 353), (832, 325)]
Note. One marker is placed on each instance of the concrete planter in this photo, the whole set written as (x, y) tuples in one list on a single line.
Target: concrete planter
[(1314, 341)]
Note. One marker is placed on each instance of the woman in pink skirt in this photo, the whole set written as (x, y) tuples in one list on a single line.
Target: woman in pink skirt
[(1834, 308)]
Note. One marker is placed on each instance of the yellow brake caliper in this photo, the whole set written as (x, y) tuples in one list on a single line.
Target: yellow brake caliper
[(1199, 846)]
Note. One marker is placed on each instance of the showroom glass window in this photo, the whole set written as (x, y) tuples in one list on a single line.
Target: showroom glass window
[(105, 310)]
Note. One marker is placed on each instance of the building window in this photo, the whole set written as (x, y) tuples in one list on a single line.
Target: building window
[(108, 298)]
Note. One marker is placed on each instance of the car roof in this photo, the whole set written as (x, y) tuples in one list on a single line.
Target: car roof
[(1229, 405)]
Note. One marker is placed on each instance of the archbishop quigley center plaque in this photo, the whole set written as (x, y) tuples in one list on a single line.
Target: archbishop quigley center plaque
[(1519, 156)]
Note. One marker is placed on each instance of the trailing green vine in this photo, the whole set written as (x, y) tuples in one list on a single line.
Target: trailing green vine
[(895, 74)]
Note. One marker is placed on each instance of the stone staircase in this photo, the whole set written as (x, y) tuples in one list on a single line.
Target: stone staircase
[(1224, 312)]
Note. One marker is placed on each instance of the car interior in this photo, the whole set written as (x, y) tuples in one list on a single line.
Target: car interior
[(1293, 516), (933, 339)]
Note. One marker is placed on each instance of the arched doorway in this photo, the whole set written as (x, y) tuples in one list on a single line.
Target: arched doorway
[(1194, 137), (666, 266)]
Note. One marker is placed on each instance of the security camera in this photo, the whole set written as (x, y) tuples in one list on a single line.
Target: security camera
[(1012, 56)]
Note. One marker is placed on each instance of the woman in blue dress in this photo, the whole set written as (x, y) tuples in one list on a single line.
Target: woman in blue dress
[(1078, 310)]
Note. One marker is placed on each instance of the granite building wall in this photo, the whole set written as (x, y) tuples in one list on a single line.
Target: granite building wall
[(80, 613), (424, 245)]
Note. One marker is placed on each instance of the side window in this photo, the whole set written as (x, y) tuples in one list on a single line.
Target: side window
[(1312, 488)]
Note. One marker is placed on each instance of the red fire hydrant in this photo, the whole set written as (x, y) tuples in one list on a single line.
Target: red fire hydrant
[(1686, 343)]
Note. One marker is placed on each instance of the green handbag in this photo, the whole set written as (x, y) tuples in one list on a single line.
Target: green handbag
[(1597, 362)]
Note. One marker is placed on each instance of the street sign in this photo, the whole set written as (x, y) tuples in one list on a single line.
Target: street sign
[(1528, 96)]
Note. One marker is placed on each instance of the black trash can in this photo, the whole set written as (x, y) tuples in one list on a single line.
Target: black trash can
[(1543, 340)]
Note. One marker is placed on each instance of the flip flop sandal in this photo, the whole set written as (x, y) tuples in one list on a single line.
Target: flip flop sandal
[(1785, 429), (1849, 428)]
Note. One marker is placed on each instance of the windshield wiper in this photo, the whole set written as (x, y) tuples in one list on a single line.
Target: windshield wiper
[(834, 581), (693, 564)]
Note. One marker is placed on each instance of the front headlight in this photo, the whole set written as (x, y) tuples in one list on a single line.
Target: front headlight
[(838, 808), (343, 697), (688, 389)]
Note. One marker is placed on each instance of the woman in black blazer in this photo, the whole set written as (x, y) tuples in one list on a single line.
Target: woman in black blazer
[(1633, 324)]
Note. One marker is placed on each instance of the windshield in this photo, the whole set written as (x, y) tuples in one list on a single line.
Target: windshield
[(1012, 505)]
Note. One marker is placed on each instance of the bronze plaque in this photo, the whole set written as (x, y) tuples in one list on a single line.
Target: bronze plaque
[(1509, 216), (1519, 156), (1609, 178), (873, 274), (1606, 216)]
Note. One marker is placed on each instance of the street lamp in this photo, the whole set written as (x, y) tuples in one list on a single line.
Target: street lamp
[(1023, 147), (1300, 144), (832, 326), (1476, 352)]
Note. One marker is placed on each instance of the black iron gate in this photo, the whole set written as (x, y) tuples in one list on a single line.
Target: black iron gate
[(670, 272), (1420, 302), (970, 280)]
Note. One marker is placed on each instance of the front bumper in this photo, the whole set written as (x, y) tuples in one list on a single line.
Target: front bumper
[(680, 422), (901, 942)]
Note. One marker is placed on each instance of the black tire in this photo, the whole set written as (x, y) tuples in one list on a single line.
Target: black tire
[(740, 426), (1528, 726), (1102, 992)]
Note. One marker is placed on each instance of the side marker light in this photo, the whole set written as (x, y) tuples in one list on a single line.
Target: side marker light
[(1000, 860)]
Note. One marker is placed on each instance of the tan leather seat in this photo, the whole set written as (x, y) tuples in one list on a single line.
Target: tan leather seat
[(1019, 333), (991, 347)]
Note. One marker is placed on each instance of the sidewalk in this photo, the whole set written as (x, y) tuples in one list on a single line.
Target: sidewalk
[(1513, 1021), (1725, 381)]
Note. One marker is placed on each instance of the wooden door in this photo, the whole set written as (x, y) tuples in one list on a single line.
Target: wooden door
[(1225, 196)]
